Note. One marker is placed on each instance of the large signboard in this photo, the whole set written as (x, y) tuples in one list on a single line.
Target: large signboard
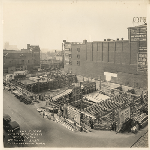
[(142, 49), (142, 61), (138, 34), (67, 47)]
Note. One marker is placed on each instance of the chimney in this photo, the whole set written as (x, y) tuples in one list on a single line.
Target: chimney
[(104, 39), (84, 41), (64, 41), (122, 39), (117, 39)]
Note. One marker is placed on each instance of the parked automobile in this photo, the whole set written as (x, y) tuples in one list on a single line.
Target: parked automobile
[(6, 121), (7, 88), (52, 109), (14, 132), (13, 127), (126, 127), (40, 109), (142, 120)]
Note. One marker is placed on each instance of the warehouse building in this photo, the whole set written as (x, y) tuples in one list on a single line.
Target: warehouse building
[(124, 60), (15, 60)]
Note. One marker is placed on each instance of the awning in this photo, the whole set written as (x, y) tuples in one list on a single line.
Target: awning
[(55, 98)]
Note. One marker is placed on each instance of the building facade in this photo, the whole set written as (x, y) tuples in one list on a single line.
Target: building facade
[(23, 59), (126, 58)]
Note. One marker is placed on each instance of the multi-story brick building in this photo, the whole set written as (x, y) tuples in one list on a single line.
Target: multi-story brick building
[(21, 59), (126, 58)]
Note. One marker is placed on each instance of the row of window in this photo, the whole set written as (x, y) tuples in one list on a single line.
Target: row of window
[(78, 49), (12, 61), (78, 56), (78, 63)]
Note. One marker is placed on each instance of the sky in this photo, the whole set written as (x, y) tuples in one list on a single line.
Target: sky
[(48, 23)]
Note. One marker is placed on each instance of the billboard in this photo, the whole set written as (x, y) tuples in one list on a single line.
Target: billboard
[(67, 47), (142, 61), (138, 34)]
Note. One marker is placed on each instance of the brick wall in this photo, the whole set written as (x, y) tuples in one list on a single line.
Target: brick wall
[(111, 51), (89, 51), (118, 52), (105, 51), (134, 51), (116, 57), (100, 53), (126, 53)]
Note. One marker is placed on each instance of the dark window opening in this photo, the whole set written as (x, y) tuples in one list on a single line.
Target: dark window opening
[(70, 56), (78, 56), (78, 63), (70, 62)]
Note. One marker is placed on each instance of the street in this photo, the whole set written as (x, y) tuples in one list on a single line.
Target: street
[(56, 135)]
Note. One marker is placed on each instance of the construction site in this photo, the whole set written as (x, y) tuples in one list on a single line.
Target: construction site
[(80, 103)]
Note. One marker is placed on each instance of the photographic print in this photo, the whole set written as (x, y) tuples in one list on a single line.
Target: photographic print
[(75, 74)]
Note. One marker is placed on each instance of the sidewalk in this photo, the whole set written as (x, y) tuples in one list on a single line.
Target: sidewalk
[(142, 142)]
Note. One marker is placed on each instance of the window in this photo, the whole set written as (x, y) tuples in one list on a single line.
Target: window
[(70, 49), (70, 56), (28, 61), (78, 56), (78, 49), (78, 63), (22, 61), (70, 62)]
